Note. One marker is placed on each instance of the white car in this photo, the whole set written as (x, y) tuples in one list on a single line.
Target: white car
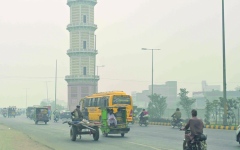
[(238, 134)]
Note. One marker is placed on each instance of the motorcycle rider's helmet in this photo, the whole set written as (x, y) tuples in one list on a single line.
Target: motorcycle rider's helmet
[(177, 109), (78, 106)]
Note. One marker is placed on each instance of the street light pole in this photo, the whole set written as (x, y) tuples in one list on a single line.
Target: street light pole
[(224, 69), (152, 66), (47, 89)]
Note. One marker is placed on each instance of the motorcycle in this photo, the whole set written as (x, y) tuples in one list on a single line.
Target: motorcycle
[(144, 120), (176, 123), (56, 118), (198, 142)]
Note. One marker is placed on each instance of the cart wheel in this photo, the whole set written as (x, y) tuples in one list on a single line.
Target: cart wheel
[(122, 134), (96, 134), (73, 133)]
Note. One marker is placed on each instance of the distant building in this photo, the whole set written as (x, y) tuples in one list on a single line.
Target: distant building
[(212, 95), (169, 90), (206, 87)]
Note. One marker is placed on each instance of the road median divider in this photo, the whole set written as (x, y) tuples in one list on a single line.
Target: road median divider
[(206, 126)]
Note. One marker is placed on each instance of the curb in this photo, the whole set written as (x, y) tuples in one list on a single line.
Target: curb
[(207, 126), (221, 127)]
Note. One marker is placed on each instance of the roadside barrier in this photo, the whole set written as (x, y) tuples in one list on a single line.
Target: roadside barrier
[(207, 126)]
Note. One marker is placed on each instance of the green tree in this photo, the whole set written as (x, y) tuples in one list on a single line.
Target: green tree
[(185, 101), (52, 104), (157, 105), (208, 111)]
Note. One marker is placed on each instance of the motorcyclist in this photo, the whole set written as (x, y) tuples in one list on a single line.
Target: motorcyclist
[(56, 114), (143, 113), (177, 115), (196, 127), (77, 114)]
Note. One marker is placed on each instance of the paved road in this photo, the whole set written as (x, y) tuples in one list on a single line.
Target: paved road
[(56, 136)]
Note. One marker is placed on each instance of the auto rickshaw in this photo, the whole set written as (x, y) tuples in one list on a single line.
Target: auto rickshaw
[(120, 114), (4, 112), (11, 112), (40, 114), (29, 111)]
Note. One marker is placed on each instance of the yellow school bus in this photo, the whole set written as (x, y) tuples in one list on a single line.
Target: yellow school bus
[(94, 102)]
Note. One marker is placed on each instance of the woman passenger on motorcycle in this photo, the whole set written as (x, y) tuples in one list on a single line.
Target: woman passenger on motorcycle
[(196, 127)]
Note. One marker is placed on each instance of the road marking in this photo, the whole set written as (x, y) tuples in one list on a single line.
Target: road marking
[(148, 146)]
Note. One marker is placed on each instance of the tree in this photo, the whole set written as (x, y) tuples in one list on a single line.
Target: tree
[(157, 105), (208, 110), (185, 101), (52, 104)]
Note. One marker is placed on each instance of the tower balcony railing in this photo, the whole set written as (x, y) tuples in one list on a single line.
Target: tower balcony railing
[(81, 77), (82, 51), (82, 25)]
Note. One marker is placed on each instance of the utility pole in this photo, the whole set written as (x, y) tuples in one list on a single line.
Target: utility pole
[(224, 69), (56, 86), (26, 96)]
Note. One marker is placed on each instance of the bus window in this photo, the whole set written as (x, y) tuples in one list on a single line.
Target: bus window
[(100, 102), (121, 99), (105, 101), (91, 102), (95, 103), (86, 102)]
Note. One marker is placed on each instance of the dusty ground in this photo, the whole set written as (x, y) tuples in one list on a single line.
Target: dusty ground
[(15, 140)]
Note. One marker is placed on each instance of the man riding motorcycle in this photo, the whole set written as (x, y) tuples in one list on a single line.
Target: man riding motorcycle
[(142, 118), (177, 116), (56, 115), (196, 129)]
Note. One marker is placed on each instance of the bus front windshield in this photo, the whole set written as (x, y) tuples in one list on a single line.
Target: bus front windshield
[(121, 99)]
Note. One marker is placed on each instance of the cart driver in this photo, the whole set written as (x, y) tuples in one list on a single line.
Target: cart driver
[(77, 114), (111, 118)]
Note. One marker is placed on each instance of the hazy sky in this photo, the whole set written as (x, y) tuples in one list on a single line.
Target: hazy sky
[(189, 33)]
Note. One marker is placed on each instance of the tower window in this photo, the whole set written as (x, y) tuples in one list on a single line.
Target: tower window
[(84, 19), (84, 70), (84, 44)]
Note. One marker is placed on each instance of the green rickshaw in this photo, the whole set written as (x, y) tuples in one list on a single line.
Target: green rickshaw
[(121, 127), (40, 114)]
